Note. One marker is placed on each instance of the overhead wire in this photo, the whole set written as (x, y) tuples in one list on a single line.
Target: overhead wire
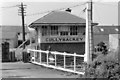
[(7, 7), (55, 10)]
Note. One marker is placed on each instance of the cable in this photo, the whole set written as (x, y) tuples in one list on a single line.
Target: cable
[(55, 10)]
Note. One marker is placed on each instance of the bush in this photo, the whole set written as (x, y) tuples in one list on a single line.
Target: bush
[(104, 66)]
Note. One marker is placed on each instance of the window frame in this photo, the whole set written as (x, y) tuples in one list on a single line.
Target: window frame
[(73, 30), (44, 30), (54, 30), (64, 33)]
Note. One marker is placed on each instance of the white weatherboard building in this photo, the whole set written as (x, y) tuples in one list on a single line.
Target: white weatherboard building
[(61, 31)]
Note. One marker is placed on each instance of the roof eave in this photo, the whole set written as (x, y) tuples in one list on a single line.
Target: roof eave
[(33, 25)]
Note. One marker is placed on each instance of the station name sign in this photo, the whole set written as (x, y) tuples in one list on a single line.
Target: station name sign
[(65, 39)]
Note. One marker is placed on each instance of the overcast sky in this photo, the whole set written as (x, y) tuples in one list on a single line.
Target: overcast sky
[(105, 12)]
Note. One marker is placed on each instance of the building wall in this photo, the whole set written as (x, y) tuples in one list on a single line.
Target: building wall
[(78, 48), (43, 39), (58, 42), (114, 41), (101, 38), (13, 42)]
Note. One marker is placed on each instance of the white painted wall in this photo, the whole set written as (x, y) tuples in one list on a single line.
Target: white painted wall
[(39, 35), (114, 41)]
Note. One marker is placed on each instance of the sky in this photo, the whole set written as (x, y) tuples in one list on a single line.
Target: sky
[(119, 13), (105, 12)]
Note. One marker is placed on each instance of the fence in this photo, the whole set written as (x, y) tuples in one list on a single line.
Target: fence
[(57, 60)]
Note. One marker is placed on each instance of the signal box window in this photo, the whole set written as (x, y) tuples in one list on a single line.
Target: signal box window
[(73, 30), (63, 33), (44, 30), (54, 30)]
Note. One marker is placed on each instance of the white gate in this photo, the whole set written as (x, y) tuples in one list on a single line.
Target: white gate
[(57, 60)]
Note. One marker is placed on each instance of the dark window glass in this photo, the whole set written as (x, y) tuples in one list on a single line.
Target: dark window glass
[(73, 30), (44, 30), (54, 30), (63, 33)]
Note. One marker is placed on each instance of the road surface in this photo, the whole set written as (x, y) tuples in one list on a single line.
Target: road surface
[(29, 70)]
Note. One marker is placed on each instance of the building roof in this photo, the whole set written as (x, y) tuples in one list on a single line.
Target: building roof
[(59, 17), (110, 29)]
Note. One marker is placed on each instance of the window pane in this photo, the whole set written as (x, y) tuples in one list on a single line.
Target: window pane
[(44, 30), (73, 30), (54, 30), (63, 33)]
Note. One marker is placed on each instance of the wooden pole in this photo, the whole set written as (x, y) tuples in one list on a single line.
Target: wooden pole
[(91, 32), (23, 26), (89, 35)]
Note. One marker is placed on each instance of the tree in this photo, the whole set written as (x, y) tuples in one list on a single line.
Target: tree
[(103, 47)]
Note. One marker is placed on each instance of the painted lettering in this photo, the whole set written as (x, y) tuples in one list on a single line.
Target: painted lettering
[(64, 39)]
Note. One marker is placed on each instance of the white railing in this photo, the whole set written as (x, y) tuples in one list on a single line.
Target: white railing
[(43, 58)]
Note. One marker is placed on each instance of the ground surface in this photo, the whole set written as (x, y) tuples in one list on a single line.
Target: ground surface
[(28, 70)]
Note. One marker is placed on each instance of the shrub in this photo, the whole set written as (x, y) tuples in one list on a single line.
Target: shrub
[(104, 66)]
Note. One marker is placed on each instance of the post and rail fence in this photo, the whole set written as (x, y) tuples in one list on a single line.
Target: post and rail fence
[(57, 60)]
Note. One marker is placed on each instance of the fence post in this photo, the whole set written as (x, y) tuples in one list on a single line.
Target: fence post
[(64, 60), (28, 51), (74, 62), (40, 58), (47, 57), (34, 55), (55, 61)]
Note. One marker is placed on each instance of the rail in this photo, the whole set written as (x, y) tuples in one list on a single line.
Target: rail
[(58, 60), (19, 50), (22, 44)]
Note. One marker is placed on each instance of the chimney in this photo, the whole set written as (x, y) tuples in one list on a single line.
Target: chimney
[(68, 10)]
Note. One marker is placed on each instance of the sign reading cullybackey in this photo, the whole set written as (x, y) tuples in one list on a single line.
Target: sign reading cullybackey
[(63, 39)]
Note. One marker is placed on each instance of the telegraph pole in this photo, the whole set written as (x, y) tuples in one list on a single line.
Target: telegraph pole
[(91, 10), (91, 31), (89, 34), (22, 12)]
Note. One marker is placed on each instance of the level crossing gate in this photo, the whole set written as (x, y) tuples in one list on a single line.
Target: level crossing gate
[(57, 60)]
